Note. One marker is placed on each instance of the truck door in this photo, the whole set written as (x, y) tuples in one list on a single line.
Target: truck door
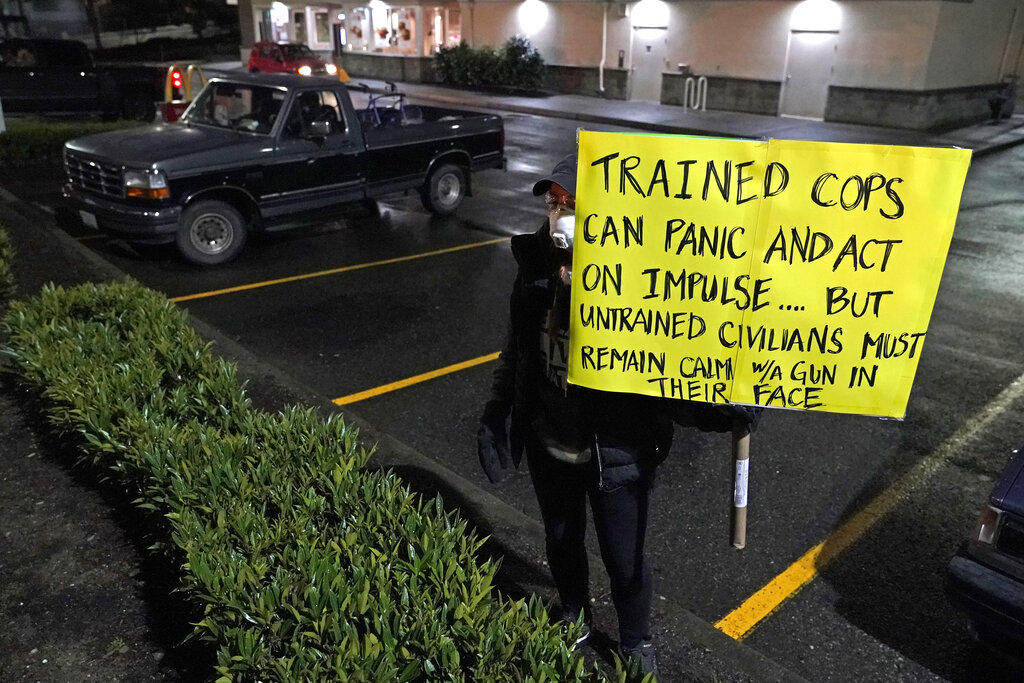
[(313, 171)]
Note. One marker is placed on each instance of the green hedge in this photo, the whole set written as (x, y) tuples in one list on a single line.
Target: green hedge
[(6, 276), (306, 566), (517, 64), (28, 140)]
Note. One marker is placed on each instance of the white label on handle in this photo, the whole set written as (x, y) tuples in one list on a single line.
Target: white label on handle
[(739, 495)]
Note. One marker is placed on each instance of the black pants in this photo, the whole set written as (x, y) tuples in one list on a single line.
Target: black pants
[(620, 517)]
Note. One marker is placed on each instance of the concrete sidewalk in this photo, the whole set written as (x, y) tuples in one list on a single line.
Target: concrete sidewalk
[(983, 138)]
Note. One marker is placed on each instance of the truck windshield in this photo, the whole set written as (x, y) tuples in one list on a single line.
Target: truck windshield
[(249, 108)]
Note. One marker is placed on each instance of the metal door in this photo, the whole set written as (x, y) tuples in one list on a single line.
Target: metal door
[(810, 62), (649, 48)]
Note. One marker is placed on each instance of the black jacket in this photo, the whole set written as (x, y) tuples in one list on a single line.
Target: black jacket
[(629, 434)]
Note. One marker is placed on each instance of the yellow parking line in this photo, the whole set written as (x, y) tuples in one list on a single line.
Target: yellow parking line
[(764, 602), (333, 271), (402, 383)]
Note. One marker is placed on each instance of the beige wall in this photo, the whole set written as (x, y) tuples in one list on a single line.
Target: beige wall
[(729, 38), (571, 36), (970, 41), (886, 44)]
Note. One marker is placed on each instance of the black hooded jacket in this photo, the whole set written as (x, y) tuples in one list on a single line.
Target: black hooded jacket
[(629, 434)]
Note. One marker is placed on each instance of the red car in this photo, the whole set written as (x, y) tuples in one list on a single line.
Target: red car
[(290, 58)]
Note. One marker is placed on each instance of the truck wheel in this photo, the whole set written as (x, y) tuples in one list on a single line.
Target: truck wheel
[(444, 189), (211, 232)]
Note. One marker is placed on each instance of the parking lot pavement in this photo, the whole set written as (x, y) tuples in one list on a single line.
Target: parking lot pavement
[(407, 294)]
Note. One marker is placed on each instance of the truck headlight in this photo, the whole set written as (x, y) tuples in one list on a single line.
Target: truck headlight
[(146, 184), (305, 70), (331, 69)]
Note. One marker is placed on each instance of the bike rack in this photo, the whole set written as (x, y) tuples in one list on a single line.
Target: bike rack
[(695, 93)]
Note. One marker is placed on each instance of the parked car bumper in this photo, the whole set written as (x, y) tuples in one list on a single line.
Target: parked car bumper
[(122, 219), (991, 598)]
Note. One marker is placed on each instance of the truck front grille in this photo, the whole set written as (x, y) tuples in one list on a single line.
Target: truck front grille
[(93, 176)]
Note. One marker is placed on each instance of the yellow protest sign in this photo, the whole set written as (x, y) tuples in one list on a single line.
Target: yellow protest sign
[(786, 274)]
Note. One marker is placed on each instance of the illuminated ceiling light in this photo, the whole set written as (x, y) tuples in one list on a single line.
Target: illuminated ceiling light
[(532, 15), (816, 15), (649, 14)]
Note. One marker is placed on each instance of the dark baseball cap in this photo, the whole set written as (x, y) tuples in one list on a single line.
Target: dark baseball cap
[(564, 175)]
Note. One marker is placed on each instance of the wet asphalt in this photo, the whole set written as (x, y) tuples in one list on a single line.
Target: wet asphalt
[(877, 612)]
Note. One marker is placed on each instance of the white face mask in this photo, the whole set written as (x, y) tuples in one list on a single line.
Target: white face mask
[(562, 226)]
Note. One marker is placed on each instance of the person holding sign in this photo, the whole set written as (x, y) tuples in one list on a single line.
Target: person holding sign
[(580, 442)]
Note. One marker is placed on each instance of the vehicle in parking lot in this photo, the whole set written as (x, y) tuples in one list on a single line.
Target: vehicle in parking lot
[(986, 577), (59, 77), (288, 58), (253, 153)]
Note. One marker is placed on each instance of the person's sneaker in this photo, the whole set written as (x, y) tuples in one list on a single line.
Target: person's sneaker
[(643, 654), (572, 618)]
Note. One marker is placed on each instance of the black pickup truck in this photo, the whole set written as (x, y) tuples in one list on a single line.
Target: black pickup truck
[(258, 152)]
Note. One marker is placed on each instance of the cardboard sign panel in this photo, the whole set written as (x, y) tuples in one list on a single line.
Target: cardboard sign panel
[(786, 274)]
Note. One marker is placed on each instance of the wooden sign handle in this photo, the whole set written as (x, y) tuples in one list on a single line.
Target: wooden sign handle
[(740, 470)]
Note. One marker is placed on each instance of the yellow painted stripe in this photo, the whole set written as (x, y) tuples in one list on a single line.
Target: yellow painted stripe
[(334, 271), (402, 383), (761, 604)]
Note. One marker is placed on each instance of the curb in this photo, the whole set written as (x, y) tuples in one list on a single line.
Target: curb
[(510, 529), (642, 125)]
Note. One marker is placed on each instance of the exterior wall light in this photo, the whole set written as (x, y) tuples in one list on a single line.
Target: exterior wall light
[(650, 14), (279, 13), (532, 15), (816, 15)]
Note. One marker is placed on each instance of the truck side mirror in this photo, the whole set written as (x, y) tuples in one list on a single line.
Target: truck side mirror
[(316, 130)]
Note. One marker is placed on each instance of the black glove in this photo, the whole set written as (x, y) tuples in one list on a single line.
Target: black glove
[(492, 444), (709, 417)]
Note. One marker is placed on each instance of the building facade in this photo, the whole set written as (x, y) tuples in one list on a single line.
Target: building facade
[(922, 64)]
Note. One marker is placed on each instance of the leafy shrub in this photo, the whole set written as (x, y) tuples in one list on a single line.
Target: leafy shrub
[(521, 64), (28, 140), (516, 64), (6, 276), (306, 566)]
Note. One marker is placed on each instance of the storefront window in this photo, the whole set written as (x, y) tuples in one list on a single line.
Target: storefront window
[(359, 31), (454, 31), (319, 34), (273, 23), (323, 27), (444, 28)]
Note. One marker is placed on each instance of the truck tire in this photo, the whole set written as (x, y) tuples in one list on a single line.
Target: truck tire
[(211, 232), (444, 189)]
